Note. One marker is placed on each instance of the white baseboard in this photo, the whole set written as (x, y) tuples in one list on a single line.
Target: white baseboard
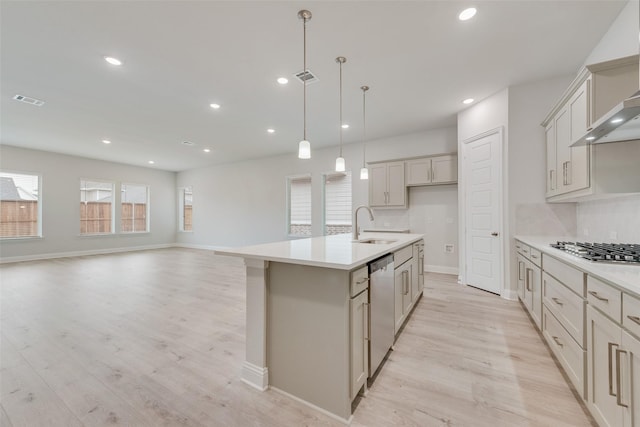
[(255, 376), (440, 269), (346, 421), (53, 255), (509, 294)]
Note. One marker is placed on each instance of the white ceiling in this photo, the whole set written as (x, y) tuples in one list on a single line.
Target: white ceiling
[(179, 56)]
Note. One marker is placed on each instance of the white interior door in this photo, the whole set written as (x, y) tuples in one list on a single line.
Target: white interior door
[(483, 201)]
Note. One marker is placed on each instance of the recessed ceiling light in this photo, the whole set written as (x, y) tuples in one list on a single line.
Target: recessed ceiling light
[(271, 130), (151, 162), (468, 101), (616, 120), (113, 61), (214, 106), (345, 126), (106, 141), (207, 150), (283, 80), (467, 14)]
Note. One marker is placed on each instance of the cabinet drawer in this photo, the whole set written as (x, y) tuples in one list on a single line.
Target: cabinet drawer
[(567, 275), (566, 306), (535, 256), (359, 280), (402, 256), (568, 352), (604, 297), (522, 249), (631, 313)]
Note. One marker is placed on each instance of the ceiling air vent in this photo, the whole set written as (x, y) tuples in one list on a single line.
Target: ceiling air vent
[(28, 100), (308, 76)]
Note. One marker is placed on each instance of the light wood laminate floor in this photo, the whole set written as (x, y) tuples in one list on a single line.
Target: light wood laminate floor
[(156, 338)]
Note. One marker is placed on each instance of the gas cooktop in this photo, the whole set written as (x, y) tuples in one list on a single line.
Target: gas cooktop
[(602, 252)]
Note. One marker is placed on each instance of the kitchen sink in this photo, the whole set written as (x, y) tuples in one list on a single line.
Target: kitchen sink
[(377, 241)]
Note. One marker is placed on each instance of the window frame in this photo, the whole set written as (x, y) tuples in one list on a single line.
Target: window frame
[(326, 175), (39, 233), (181, 206), (288, 181), (147, 212), (113, 207)]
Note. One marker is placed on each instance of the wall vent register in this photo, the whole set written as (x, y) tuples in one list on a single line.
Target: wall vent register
[(602, 252)]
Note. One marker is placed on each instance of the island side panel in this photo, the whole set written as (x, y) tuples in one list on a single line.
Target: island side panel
[(254, 369), (308, 335)]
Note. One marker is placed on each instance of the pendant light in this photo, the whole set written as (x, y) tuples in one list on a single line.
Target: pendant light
[(304, 148), (364, 172), (340, 166)]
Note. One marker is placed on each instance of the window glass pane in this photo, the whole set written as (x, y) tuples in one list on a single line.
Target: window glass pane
[(337, 203), (19, 205), (186, 209), (96, 207), (300, 206), (134, 208)]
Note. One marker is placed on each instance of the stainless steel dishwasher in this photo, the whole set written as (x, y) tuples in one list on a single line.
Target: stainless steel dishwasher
[(381, 296)]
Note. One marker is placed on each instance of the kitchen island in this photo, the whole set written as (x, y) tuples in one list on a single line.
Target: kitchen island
[(307, 314)]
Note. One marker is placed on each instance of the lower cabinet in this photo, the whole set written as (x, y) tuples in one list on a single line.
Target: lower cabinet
[(359, 312), (402, 294), (613, 371), (530, 280)]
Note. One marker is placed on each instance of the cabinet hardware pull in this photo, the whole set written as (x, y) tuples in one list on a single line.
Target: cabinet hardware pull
[(367, 324), (520, 263), (494, 234), (534, 256), (569, 173), (610, 346), (366, 279), (619, 379), (528, 281), (557, 340), (557, 301), (635, 319), (551, 183), (564, 173), (595, 294), (405, 281)]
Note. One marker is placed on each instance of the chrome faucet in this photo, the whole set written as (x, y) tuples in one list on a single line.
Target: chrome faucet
[(354, 233)]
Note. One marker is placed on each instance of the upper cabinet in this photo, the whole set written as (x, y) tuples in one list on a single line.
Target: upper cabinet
[(386, 185), (432, 170), (574, 173)]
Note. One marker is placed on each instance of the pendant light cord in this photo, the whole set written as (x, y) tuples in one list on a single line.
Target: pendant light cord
[(304, 76), (364, 126)]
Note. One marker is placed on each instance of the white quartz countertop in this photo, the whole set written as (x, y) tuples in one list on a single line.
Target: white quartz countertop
[(625, 276), (338, 251)]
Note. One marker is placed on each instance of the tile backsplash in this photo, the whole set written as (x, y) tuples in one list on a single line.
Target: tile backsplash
[(545, 219), (614, 220)]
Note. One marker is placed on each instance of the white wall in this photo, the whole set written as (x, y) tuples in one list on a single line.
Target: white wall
[(60, 191), (622, 37), (245, 203)]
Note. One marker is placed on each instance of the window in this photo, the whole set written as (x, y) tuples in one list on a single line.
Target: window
[(299, 209), (337, 203), (185, 207), (134, 214), (96, 207), (20, 205)]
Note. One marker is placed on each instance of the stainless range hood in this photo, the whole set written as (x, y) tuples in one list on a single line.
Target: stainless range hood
[(622, 123)]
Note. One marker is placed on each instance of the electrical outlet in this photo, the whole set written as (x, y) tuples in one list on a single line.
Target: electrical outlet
[(448, 248), (613, 235)]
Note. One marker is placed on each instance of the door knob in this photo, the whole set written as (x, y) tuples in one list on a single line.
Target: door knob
[(494, 234)]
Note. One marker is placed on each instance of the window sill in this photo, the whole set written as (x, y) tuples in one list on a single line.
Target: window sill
[(20, 239), (96, 234)]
